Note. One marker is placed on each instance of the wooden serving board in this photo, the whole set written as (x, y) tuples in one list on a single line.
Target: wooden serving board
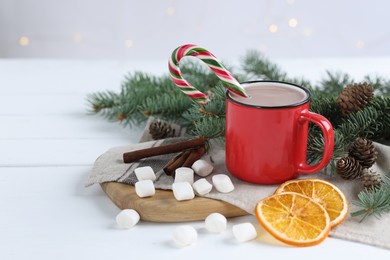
[(163, 207)]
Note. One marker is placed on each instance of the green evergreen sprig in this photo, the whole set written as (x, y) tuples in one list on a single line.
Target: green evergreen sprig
[(143, 95), (255, 67), (103, 102), (333, 83), (209, 120), (374, 202)]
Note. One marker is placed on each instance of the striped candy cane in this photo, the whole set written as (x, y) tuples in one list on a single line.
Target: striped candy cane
[(222, 73)]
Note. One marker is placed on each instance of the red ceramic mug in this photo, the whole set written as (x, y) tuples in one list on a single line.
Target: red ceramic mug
[(266, 134)]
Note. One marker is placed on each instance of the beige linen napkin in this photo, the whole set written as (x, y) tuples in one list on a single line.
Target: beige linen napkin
[(373, 231)]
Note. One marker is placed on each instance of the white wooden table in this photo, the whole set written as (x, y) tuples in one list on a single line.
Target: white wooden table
[(49, 141)]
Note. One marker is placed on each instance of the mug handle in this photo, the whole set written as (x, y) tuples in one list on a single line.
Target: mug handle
[(327, 130)]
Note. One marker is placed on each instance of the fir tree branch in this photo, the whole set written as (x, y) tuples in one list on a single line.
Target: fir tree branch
[(143, 95), (166, 106), (380, 84), (209, 120), (257, 67), (372, 122), (333, 84), (382, 104), (359, 124), (373, 202), (326, 106), (210, 127), (102, 102), (316, 144), (386, 179)]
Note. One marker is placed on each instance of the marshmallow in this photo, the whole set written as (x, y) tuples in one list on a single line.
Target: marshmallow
[(145, 173), (244, 232), (222, 183), (185, 235), (145, 188), (183, 191), (127, 218), (216, 223), (202, 186), (202, 168), (184, 174)]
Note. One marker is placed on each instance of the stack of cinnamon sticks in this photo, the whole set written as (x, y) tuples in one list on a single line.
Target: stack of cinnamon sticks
[(190, 151)]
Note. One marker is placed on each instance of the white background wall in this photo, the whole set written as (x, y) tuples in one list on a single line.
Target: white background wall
[(151, 29)]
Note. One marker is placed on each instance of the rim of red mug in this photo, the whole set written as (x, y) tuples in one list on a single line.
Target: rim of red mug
[(305, 100)]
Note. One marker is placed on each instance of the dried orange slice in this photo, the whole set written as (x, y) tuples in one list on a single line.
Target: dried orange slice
[(293, 218), (323, 192)]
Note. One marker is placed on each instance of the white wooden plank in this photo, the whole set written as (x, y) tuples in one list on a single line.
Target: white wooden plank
[(69, 76), (55, 116), (55, 152), (42, 104), (76, 126)]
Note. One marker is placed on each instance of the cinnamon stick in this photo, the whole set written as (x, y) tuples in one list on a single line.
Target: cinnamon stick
[(164, 149), (176, 162), (185, 159), (195, 155)]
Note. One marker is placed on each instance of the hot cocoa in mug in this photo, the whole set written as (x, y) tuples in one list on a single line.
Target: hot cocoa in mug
[(267, 132)]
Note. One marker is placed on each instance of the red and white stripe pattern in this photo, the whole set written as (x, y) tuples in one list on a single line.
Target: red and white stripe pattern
[(222, 73)]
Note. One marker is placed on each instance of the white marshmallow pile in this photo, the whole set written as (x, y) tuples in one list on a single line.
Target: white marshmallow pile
[(127, 218), (145, 173), (185, 235), (216, 223), (202, 168), (202, 186), (222, 183), (244, 232), (184, 174), (145, 188), (146, 176), (183, 191)]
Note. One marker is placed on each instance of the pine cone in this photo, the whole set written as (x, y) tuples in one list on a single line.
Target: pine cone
[(371, 179), (355, 97), (161, 130), (348, 168), (364, 151)]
